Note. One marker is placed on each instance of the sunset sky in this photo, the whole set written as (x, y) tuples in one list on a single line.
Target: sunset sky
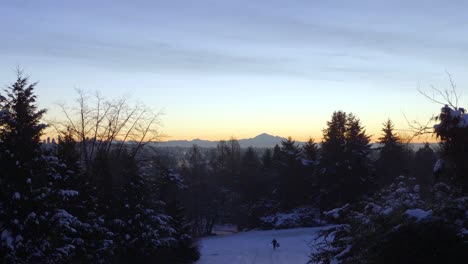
[(240, 68)]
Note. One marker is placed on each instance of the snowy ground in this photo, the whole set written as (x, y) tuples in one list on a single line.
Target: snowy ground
[(254, 247)]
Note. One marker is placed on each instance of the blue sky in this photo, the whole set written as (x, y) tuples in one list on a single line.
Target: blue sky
[(239, 68)]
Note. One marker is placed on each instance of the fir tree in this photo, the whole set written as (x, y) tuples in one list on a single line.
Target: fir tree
[(344, 172), (310, 150), (267, 159), (249, 182), (357, 149), (203, 194), (35, 191), (452, 130), (21, 130), (334, 142), (391, 162), (23, 169), (424, 161), (293, 187)]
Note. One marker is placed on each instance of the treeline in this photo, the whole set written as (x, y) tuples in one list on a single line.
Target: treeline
[(88, 199), (418, 217), (102, 196), (232, 185)]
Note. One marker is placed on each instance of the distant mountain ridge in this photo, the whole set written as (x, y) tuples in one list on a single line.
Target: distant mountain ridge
[(263, 140)]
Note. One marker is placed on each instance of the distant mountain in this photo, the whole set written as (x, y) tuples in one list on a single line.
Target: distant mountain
[(261, 141), (188, 143)]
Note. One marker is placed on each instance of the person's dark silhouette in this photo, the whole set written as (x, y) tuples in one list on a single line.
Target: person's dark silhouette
[(275, 244)]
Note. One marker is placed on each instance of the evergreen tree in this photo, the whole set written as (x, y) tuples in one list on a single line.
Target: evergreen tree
[(203, 196), (226, 165), (23, 170), (249, 182), (276, 156), (293, 186), (51, 212), (143, 230), (311, 156), (67, 151), (344, 172), (268, 175), (389, 139), (310, 150), (35, 188), (391, 162), (452, 130), (334, 142), (267, 159), (21, 130), (358, 149), (424, 161), (170, 187)]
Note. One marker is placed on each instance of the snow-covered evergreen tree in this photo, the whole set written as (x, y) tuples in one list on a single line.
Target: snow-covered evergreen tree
[(23, 171), (53, 210), (452, 130)]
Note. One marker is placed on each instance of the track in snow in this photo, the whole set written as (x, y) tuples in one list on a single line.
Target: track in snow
[(254, 247)]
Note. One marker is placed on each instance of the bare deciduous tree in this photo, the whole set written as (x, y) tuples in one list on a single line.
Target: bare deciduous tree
[(447, 97), (101, 125)]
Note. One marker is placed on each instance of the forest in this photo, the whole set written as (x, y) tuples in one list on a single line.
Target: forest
[(104, 194)]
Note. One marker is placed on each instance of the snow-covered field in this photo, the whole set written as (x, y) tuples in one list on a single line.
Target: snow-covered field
[(254, 247)]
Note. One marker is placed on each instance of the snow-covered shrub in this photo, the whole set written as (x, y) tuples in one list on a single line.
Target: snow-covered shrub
[(397, 226), (299, 217), (452, 130)]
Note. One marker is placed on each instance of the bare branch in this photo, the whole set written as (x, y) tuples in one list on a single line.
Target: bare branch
[(106, 125)]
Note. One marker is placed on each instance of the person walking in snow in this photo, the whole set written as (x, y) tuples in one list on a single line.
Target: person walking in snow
[(275, 244)]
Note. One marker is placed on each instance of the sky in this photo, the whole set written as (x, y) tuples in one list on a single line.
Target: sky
[(218, 69)]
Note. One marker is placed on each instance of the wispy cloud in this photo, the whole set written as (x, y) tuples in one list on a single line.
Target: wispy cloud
[(242, 37)]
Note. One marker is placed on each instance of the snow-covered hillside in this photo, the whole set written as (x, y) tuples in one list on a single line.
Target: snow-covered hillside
[(254, 247)]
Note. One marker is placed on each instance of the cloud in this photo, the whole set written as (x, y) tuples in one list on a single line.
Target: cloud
[(224, 38), (142, 54)]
